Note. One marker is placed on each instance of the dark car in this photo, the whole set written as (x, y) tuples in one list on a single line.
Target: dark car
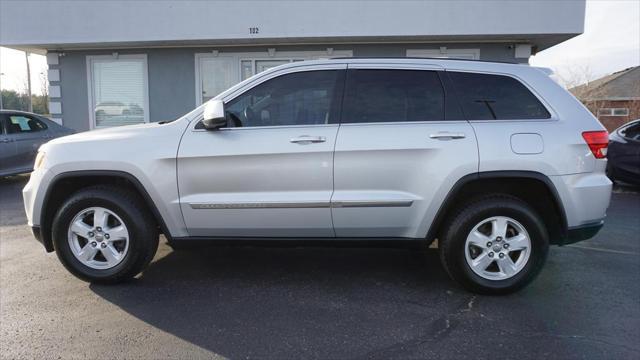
[(21, 134), (624, 153)]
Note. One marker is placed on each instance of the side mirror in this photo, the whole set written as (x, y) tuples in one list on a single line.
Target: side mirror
[(214, 118)]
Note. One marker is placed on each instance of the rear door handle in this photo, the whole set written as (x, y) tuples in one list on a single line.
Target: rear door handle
[(445, 135), (306, 139)]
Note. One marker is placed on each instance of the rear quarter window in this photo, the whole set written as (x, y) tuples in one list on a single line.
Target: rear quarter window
[(496, 97)]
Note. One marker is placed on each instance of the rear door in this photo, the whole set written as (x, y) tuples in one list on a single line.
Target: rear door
[(402, 145), (270, 173)]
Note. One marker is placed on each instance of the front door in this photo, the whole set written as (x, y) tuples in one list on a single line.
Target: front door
[(270, 173), (400, 148)]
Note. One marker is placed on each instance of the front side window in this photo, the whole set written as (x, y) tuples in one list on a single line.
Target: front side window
[(393, 96), (496, 97), (118, 91), (22, 124), (303, 98)]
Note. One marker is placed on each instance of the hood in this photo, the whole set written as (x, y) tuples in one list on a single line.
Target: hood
[(116, 147), (114, 133)]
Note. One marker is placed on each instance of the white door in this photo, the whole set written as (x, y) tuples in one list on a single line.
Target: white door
[(397, 154), (270, 173)]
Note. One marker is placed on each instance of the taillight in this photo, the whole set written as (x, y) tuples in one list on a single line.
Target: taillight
[(597, 142)]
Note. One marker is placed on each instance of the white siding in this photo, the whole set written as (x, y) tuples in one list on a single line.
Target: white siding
[(142, 22)]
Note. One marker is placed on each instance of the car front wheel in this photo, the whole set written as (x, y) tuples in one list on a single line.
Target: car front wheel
[(104, 234)]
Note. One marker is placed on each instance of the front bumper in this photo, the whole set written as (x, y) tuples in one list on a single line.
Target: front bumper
[(35, 230), (33, 195)]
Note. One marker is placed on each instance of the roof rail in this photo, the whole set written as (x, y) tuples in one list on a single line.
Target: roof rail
[(420, 58)]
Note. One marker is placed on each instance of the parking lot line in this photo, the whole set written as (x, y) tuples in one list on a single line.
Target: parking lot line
[(604, 250)]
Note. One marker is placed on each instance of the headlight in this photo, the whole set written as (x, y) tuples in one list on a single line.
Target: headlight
[(39, 160)]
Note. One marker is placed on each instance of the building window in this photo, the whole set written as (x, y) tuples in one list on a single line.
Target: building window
[(118, 92), (613, 112), (444, 53), (250, 67)]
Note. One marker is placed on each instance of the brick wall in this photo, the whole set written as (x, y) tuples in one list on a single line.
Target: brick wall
[(614, 122)]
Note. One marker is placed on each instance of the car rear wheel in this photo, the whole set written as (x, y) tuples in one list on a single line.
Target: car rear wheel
[(104, 234), (494, 245)]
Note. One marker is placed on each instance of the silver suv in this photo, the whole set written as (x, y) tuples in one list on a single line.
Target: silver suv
[(496, 161)]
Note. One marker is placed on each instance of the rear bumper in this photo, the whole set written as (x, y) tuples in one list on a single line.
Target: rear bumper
[(583, 232), (585, 197)]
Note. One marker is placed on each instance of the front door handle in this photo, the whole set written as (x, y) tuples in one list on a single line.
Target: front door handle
[(445, 135), (306, 139)]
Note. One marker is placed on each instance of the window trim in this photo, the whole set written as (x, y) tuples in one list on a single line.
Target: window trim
[(553, 116), (259, 55), (91, 59)]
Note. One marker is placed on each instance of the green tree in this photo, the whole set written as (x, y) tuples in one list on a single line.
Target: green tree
[(13, 100)]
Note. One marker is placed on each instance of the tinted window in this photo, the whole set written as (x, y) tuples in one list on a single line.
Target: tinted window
[(488, 97), (303, 98), (631, 131), (21, 124), (393, 95)]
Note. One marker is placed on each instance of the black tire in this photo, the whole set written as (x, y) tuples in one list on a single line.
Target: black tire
[(459, 225), (143, 233)]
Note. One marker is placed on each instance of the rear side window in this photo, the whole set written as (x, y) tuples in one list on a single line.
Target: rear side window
[(496, 97), (393, 96)]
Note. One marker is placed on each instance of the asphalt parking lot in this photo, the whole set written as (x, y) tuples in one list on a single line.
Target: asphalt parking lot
[(337, 303)]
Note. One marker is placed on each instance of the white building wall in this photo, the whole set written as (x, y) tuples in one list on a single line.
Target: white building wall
[(142, 22)]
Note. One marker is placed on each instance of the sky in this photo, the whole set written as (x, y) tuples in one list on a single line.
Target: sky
[(610, 42)]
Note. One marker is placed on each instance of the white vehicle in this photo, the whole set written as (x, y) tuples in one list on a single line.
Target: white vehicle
[(494, 160)]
